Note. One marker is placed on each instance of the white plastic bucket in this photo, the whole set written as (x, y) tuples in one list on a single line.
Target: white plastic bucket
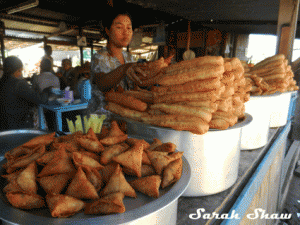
[(256, 134), (280, 109), (213, 157)]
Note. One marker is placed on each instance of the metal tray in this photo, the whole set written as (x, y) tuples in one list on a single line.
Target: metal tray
[(13, 138), (136, 209), (145, 130)]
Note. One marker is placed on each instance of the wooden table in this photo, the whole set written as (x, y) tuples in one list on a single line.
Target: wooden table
[(58, 109)]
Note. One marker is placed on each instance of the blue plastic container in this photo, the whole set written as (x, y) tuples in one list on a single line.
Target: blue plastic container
[(85, 90)]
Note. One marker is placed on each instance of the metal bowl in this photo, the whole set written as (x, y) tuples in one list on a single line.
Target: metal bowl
[(142, 210), (213, 157)]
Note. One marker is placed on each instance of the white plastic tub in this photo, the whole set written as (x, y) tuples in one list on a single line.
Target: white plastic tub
[(280, 109), (256, 134), (213, 157)]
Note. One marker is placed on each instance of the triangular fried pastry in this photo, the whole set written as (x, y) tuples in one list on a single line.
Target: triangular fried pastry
[(145, 159), (90, 154), (110, 152), (132, 159), (156, 142), (115, 130), (108, 171), (147, 170), (46, 158), (91, 134), (112, 203), (17, 152), (80, 159), (72, 145), (62, 206), (66, 138), (160, 160), (80, 187), (12, 186), (61, 163), (104, 132), (118, 183), (147, 185), (22, 162), (11, 176), (112, 140), (55, 183), (172, 173), (24, 200), (166, 147), (27, 179), (94, 177), (90, 145), (132, 141), (45, 139)]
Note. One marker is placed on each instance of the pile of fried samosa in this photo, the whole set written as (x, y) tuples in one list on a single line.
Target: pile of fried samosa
[(271, 75), (195, 95), (88, 172)]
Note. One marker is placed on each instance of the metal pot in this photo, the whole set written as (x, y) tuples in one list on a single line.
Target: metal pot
[(213, 157), (142, 210)]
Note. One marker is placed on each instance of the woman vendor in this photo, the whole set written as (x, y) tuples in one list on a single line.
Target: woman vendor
[(17, 97), (113, 67)]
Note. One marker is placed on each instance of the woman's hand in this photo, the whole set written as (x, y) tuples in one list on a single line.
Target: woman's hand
[(146, 73), (136, 73)]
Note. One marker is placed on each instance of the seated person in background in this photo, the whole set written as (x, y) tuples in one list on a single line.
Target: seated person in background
[(17, 97), (65, 74), (47, 78)]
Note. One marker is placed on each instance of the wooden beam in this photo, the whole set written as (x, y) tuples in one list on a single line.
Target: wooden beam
[(286, 27)]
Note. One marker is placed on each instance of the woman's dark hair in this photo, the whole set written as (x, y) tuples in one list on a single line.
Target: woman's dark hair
[(11, 64), (113, 13), (46, 65)]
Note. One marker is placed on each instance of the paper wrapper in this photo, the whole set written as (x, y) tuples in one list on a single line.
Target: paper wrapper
[(95, 122)]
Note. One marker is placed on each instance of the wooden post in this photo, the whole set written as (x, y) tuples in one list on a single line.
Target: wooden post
[(92, 50), (45, 41), (286, 28), (2, 32), (81, 47)]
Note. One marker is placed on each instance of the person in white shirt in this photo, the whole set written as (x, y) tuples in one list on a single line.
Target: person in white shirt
[(47, 78)]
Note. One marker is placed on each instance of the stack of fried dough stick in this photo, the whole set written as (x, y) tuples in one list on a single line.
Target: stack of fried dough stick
[(271, 75), (231, 103), (188, 96)]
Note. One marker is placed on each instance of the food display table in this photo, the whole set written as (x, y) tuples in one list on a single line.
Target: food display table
[(260, 191), (58, 109)]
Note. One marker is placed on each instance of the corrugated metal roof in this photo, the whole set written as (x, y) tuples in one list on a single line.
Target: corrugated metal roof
[(245, 16)]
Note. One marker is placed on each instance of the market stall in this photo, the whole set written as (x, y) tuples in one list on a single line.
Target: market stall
[(228, 121)]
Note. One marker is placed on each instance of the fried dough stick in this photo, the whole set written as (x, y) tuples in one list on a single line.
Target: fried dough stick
[(202, 73), (126, 101), (193, 86), (177, 122), (177, 109)]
